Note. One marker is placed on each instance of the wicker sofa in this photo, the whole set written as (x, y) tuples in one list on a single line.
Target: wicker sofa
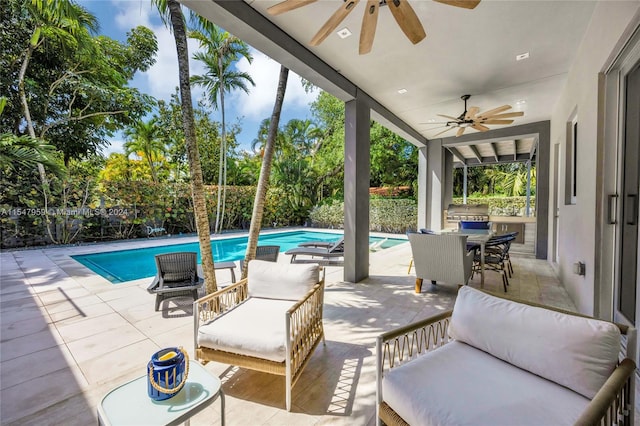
[(496, 361), (271, 321)]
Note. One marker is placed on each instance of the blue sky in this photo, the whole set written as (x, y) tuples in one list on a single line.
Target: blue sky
[(116, 17)]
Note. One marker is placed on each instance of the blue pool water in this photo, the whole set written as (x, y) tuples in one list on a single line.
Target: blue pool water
[(126, 265)]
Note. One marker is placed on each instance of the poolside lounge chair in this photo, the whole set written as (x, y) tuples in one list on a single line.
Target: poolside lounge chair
[(321, 244), (177, 276), (328, 254), (268, 253), (377, 245), (269, 322)]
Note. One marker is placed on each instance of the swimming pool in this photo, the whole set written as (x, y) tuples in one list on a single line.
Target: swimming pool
[(126, 265)]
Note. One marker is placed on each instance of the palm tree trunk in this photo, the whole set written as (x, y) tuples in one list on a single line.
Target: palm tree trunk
[(154, 174), (224, 156), (265, 171), (191, 144), (220, 162), (32, 133)]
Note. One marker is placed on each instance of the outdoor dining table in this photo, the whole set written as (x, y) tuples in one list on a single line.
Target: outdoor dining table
[(479, 236)]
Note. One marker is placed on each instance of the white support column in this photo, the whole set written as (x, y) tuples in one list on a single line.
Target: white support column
[(357, 165), (422, 188), (528, 206), (464, 186), (435, 184)]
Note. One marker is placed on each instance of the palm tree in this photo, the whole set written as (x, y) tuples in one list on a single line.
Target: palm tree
[(24, 153), (59, 20), (63, 22), (170, 11), (221, 51), (260, 142), (144, 137), (265, 171)]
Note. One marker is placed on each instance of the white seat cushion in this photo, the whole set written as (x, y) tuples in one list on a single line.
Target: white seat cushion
[(255, 328), (281, 280), (458, 384), (579, 353)]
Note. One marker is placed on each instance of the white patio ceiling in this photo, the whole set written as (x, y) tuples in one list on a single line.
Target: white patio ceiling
[(465, 52)]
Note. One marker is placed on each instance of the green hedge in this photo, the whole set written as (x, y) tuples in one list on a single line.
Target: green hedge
[(393, 215), (129, 207), (400, 215), (502, 206)]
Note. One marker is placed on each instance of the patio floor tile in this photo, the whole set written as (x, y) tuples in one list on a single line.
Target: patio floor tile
[(36, 394), (106, 342), (30, 343), (91, 326), (89, 336), (125, 363), (33, 365)]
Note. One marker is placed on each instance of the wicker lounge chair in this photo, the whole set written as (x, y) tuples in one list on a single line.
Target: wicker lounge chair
[(335, 251), (440, 258), (269, 322), (542, 366), (177, 276)]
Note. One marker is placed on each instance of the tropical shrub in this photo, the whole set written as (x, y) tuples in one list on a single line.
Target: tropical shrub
[(394, 215), (501, 206)]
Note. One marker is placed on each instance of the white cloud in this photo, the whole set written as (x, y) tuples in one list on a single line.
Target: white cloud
[(130, 14), (265, 72), (115, 145), (161, 79)]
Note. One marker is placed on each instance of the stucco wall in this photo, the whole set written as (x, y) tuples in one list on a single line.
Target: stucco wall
[(580, 94)]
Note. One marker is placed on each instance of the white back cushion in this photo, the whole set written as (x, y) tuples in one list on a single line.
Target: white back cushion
[(579, 353), (286, 281)]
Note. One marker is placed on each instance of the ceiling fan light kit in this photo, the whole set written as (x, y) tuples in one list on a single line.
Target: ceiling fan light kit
[(401, 10), (471, 118)]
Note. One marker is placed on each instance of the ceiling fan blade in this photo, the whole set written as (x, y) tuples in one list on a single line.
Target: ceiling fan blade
[(287, 5), (471, 113), (444, 131), (460, 131), (494, 111), (333, 22), (507, 115), (449, 117), (480, 127), (492, 121), (407, 20), (467, 4), (369, 23)]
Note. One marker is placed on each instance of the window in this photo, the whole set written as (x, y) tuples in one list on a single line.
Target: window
[(571, 169)]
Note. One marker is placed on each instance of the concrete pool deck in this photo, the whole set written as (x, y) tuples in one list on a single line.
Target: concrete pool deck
[(68, 336)]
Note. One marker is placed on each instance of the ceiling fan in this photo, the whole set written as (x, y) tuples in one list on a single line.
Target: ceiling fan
[(471, 118), (401, 10)]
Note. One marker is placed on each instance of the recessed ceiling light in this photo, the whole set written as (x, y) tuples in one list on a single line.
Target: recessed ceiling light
[(402, 91), (431, 120), (344, 33), (522, 56), (521, 102)]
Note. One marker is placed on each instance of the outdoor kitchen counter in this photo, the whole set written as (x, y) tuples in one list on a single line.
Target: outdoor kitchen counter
[(513, 219)]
